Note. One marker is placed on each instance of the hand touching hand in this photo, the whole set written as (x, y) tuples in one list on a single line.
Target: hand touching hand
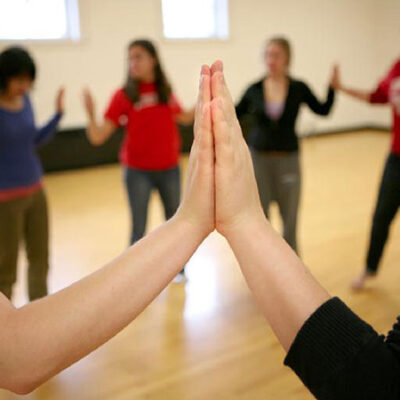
[(236, 194), (198, 206), (88, 103), (60, 100), (335, 78)]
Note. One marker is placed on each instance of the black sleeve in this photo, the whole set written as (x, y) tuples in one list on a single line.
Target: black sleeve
[(314, 104), (243, 107), (338, 356)]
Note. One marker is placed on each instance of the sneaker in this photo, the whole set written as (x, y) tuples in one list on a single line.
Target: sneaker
[(180, 278)]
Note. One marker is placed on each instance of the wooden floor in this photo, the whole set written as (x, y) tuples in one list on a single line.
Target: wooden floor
[(207, 340)]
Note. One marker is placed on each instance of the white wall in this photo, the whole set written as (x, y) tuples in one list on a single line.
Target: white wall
[(362, 35)]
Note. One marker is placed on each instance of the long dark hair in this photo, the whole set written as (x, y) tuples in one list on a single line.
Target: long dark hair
[(15, 61), (163, 87)]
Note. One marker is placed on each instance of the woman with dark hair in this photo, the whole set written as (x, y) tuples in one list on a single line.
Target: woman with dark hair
[(388, 202), (149, 111), (23, 206), (274, 101)]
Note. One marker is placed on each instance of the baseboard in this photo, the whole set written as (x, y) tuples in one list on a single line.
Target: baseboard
[(70, 148)]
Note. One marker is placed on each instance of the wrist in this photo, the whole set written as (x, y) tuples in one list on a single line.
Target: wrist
[(247, 227), (192, 226)]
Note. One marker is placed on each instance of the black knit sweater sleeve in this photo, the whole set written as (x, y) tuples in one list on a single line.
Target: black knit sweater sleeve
[(338, 356), (321, 108)]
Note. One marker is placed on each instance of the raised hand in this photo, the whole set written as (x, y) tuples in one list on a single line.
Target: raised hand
[(60, 100), (88, 103), (197, 205), (335, 77), (236, 194)]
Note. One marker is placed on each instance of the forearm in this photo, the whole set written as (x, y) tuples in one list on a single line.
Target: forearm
[(45, 133), (285, 290), (50, 334), (186, 117), (318, 107), (94, 132), (362, 95)]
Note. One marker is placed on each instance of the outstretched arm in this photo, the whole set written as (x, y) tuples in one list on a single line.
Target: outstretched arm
[(47, 132), (334, 352), (324, 107), (44, 337), (359, 94), (285, 290), (97, 134)]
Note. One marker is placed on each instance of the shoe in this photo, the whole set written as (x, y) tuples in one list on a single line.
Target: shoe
[(180, 278)]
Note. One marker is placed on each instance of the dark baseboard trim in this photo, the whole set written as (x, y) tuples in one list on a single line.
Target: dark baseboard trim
[(71, 150)]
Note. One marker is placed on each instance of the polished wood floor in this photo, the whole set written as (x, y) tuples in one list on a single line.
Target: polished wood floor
[(207, 340)]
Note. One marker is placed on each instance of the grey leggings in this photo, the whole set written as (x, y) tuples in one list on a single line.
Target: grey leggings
[(278, 179)]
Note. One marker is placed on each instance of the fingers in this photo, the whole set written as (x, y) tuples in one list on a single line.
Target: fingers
[(87, 97), (204, 96), (217, 66), (222, 130), (202, 148), (203, 132), (219, 89), (60, 99), (86, 94), (206, 138)]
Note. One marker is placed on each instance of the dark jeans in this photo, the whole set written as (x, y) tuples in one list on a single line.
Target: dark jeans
[(386, 208), (25, 219), (140, 184)]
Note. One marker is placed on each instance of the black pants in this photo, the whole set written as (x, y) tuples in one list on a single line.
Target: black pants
[(386, 208)]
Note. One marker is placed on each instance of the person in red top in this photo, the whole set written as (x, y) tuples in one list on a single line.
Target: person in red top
[(149, 111), (387, 92)]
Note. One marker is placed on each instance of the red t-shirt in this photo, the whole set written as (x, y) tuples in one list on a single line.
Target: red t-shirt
[(388, 91), (152, 139)]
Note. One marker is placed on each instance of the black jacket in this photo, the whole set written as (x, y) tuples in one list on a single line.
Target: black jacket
[(340, 357), (280, 135)]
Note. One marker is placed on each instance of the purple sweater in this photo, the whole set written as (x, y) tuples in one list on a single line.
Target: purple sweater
[(19, 164)]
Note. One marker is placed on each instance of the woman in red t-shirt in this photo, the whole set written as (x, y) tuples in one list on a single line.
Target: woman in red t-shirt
[(388, 91), (148, 110)]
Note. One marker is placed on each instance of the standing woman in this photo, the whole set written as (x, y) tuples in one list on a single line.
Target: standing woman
[(23, 205), (388, 91), (149, 111), (274, 101)]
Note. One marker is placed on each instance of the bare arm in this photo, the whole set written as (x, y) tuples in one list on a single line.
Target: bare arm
[(283, 287), (48, 335), (185, 117), (337, 84), (97, 133), (359, 94), (44, 337)]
